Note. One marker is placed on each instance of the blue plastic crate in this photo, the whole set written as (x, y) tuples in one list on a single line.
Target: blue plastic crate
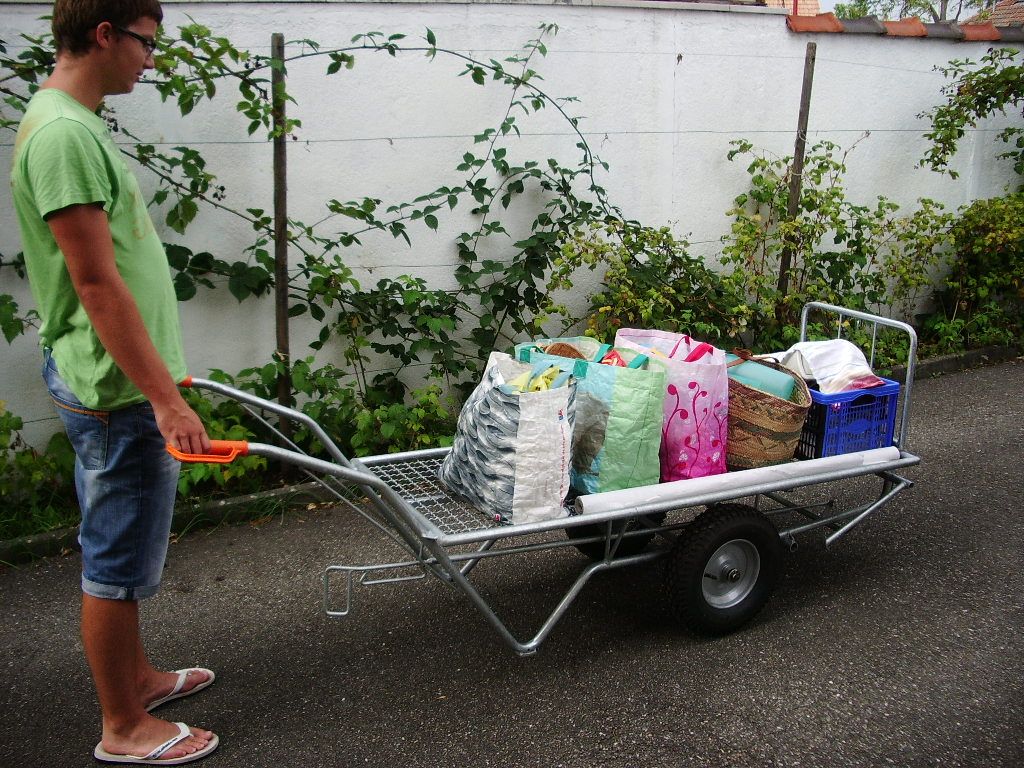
[(845, 422)]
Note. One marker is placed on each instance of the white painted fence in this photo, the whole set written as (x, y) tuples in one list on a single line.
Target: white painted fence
[(663, 88)]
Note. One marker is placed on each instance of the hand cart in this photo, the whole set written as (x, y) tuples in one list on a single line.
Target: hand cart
[(722, 556)]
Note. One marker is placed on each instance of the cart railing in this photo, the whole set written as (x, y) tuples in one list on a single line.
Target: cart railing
[(875, 321)]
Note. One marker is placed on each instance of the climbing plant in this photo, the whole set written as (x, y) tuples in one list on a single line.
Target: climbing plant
[(501, 285), (974, 91)]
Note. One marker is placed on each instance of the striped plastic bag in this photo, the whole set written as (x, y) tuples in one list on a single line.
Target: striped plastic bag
[(510, 456)]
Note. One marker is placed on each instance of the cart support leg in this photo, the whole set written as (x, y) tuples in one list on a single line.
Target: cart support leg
[(894, 484), (530, 647), (471, 564)]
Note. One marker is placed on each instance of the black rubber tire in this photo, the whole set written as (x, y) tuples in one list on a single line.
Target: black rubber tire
[(632, 545), (722, 569)]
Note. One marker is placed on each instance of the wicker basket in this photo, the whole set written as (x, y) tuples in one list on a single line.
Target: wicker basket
[(564, 349), (764, 429)]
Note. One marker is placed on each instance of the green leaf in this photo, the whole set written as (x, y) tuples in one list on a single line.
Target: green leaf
[(182, 214)]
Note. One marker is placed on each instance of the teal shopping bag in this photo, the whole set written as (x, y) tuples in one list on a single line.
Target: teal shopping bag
[(617, 434)]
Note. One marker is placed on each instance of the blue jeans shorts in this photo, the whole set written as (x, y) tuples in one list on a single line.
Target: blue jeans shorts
[(126, 483)]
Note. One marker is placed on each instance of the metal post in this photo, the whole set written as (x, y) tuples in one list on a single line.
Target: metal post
[(796, 176)]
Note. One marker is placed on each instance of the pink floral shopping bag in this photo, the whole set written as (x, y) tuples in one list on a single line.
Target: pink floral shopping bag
[(696, 405)]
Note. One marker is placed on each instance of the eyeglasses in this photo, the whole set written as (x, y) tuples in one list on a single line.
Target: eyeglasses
[(147, 44)]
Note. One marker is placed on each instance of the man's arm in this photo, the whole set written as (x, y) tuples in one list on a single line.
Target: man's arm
[(83, 236)]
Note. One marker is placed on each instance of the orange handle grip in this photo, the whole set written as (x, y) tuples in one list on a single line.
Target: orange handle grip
[(221, 452)]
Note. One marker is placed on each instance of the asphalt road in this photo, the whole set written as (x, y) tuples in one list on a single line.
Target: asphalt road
[(900, 646)]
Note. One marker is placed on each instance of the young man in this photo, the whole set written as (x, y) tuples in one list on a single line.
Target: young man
[(112, 357)]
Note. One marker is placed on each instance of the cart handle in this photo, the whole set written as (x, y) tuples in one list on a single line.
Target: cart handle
[(221, 452)]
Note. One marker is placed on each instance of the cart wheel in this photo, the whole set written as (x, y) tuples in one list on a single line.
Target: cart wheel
[(633, 545), (723, 568)]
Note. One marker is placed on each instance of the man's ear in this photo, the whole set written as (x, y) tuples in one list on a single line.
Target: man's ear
[(104, 34)]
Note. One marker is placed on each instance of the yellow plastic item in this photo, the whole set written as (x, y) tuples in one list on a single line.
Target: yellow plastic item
[(539, 383)]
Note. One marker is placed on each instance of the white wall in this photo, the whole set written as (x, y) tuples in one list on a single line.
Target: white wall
[(663, 88)]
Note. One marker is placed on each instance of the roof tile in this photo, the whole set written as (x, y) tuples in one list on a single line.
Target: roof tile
[(1005, 13), (979, 32), (868, 25), (1012, 34), (945, 30), (823, 22), (911, 27)]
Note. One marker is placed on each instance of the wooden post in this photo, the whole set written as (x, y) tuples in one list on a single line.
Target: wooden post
[(796, 176), (283, 353)]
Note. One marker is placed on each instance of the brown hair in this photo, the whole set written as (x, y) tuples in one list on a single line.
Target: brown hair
[(73, 20)]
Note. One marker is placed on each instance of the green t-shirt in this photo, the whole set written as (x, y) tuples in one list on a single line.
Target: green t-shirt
[(64, 155)]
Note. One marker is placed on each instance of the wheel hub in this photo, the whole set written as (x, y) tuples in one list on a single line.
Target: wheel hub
[(731, 573)]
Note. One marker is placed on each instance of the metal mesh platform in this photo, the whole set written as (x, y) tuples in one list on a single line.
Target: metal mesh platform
[(416, 481)]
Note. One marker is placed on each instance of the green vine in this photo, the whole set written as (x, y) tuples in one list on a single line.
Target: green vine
[(974, 91), (448, 331)]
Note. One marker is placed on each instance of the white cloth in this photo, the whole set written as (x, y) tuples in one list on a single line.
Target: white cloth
[(837, 365)]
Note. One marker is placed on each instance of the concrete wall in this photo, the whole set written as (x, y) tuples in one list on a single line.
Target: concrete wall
[(663, 88)]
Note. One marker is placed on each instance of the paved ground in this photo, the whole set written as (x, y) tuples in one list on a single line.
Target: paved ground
[(901, 646)]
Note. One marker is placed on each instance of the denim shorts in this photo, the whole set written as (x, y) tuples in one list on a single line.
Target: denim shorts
[(126, 484)]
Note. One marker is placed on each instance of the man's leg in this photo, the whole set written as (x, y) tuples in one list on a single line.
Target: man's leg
[(125, 483), (110, 634)]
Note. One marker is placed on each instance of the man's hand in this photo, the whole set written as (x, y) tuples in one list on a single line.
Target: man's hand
[(181, 427)]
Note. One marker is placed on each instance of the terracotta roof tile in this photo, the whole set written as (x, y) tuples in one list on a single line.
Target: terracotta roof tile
[(980, 32), (911, 27), (823, 22), (1005, 13)]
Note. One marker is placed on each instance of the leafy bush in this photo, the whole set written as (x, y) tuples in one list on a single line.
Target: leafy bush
[(983, 299), (858, 256), (388, 418), (38, 489), (651, 280), (862, 256)]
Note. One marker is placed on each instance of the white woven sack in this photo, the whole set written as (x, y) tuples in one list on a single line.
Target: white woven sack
[(511, 453)]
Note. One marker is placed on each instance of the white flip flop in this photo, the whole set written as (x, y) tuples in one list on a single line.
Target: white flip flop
[(177, 693), (153, 758)]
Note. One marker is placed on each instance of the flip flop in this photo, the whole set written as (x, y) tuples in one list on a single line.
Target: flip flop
[(177, 693), (153, 758)]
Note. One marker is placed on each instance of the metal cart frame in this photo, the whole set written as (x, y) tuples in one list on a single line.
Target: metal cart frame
[(445, 536)]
